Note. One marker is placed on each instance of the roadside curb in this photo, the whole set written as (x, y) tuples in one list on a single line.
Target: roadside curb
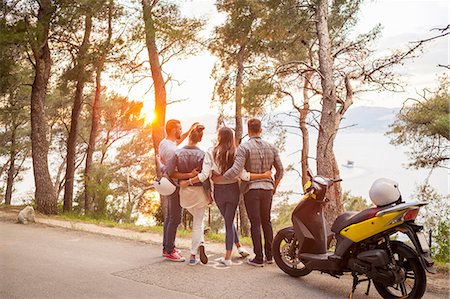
[(146, 237)]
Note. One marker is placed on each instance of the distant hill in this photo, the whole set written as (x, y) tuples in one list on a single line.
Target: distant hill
[(375, 119), (364, 118), (369, 118)]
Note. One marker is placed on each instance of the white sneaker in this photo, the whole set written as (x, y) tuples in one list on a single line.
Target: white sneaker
[(243, 252), (193, 261), (225, 262)]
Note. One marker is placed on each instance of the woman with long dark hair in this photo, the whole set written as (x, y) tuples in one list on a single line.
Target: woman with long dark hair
[(217, 161)]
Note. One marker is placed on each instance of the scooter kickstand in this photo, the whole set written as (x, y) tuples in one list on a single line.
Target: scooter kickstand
[(368, 287), (355, 283)]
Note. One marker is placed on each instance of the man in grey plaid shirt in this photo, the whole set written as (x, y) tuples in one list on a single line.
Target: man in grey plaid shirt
[(258, 156)]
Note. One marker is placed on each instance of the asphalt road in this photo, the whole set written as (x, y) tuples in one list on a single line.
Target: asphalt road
[(37, 261)]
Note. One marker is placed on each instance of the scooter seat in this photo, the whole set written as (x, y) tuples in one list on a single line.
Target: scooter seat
[(349, 218)]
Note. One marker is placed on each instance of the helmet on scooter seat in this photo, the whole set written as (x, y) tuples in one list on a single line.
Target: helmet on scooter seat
[(384, 192)]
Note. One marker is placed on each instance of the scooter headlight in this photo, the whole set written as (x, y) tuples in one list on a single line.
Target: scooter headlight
[(321, 180), (307, 186)]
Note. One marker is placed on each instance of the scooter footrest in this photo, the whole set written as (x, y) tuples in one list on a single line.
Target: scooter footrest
[(335, 257), (315, 256)]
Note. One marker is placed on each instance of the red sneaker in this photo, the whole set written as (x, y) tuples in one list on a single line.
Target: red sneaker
[(174, 257), (164, 253)]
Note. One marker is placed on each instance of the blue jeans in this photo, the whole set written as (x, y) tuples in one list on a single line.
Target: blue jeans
[(227, 200), (171, 221)]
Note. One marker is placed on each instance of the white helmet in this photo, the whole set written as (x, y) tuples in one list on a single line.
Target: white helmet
[(164, 186), (384, 192)]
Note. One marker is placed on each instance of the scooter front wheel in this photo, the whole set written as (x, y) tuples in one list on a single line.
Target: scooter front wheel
[(285, 252)]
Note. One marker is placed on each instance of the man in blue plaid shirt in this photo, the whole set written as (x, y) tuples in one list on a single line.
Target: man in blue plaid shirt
[(258, 156)]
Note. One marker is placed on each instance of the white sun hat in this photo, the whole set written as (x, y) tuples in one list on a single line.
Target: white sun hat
[(164, 186)]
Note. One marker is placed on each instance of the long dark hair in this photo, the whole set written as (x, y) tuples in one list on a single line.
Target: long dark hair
[(225, 149)]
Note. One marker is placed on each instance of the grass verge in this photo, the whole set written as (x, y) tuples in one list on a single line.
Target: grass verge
[(183, 233)]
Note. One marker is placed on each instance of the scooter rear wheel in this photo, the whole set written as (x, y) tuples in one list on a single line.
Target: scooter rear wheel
[(415, 281), (285, 255)]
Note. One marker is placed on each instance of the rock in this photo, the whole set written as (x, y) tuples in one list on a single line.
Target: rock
[(26, 215)]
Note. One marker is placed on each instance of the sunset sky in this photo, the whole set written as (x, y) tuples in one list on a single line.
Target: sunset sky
[(403, 22)]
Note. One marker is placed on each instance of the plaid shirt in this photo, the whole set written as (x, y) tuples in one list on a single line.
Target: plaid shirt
[(256, 156)]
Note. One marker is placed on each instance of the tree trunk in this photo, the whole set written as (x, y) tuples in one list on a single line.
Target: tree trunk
[(243, 217), (158, 80), (158, 133), (95, 118), (11, 169), (59, 182), (304, 129), (44, 193), (238, 100), (326, 161), (76, 110)]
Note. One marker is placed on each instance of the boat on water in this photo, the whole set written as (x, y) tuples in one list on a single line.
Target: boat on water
[(349, 164)]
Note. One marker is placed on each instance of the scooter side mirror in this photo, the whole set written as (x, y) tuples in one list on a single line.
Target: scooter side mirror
[(310, 174)]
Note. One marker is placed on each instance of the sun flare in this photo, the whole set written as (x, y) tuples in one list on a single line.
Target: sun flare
[(149, 115)]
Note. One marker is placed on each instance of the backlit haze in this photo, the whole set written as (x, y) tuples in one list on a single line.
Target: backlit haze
[(403, 22), (365, 144)]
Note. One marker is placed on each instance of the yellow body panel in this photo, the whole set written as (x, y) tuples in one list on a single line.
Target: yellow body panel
[(362, 230), (308, 195), (307, 185)]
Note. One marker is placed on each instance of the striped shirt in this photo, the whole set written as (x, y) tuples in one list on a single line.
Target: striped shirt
[(256, 156)]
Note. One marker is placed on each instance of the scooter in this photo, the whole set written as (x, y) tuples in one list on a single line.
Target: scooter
[(364, 244)]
